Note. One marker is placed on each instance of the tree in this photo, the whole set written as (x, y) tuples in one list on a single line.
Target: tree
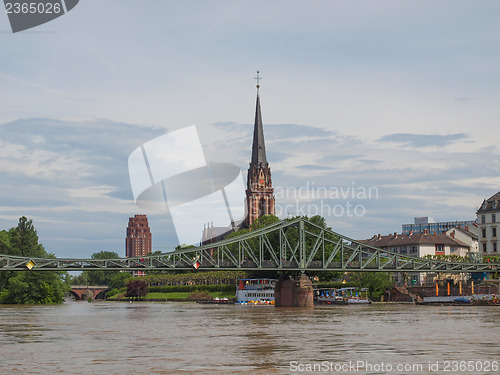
[(178, 247), (326, 276), (34, 288), (5, 248), (24, 240), (374, 281), (136, 289), (119, 280), (264, 221), (29, 286)]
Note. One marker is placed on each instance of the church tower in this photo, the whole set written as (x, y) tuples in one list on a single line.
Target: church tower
[(259, 193)]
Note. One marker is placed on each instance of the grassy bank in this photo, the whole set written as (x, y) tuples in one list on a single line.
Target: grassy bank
[(195, 294)]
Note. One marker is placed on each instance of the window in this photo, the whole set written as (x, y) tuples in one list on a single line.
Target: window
[(494, 231), (484, 232), (493, 218), (403, 250), (494, 246), (483, 219), (484, 247), (413, 250), (439, 249)]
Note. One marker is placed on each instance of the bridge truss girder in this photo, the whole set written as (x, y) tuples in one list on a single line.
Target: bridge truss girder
[(288, 245)]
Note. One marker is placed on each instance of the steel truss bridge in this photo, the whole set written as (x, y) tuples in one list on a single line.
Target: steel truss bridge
[(289, 245)]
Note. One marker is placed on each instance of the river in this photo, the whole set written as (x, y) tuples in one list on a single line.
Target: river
[(189, 338)]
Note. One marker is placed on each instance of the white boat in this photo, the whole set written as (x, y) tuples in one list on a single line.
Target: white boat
[(343, 296), (255, 291)]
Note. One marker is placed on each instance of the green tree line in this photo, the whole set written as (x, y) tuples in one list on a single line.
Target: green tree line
[(197, 278), (29, 287)]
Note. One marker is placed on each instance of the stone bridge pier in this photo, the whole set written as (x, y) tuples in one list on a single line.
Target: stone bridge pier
[(296, 292)]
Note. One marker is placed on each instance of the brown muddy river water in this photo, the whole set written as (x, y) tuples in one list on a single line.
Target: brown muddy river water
[(189, 338)]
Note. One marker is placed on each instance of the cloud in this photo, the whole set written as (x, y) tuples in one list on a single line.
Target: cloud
[(464, 99), (424, 140), (69, 152), (60, 171), (310, 166), (71, 177)]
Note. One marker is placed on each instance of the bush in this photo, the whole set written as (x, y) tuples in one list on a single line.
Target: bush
[(113, 292), (136, 289)]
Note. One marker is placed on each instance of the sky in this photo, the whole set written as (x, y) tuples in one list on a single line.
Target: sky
[(374, 112)]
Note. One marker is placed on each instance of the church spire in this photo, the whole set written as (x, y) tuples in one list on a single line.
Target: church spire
[(259, 193), (258, 147)]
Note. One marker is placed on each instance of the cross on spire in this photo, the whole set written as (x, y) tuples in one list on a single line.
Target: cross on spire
[(258, 78)]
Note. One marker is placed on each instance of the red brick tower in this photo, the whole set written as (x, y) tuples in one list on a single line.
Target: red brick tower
[(138, 242)]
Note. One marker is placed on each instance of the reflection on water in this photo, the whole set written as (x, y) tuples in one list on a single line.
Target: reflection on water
[(187, 338)]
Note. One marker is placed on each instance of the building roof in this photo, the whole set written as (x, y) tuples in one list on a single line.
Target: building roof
[(466, 231), (491, 204), (395, 240), (258, 147)]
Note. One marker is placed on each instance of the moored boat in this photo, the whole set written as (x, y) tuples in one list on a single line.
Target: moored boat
[(343, 296), (330, 296), (255, 291)]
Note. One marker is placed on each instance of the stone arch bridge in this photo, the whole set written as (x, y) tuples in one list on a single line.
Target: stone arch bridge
[(83, 292)]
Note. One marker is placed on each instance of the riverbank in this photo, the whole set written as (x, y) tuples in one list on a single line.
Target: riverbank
[(194, 296)]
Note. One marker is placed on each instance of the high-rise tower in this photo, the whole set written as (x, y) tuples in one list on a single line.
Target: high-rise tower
[(259, 193), (138, 242)]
